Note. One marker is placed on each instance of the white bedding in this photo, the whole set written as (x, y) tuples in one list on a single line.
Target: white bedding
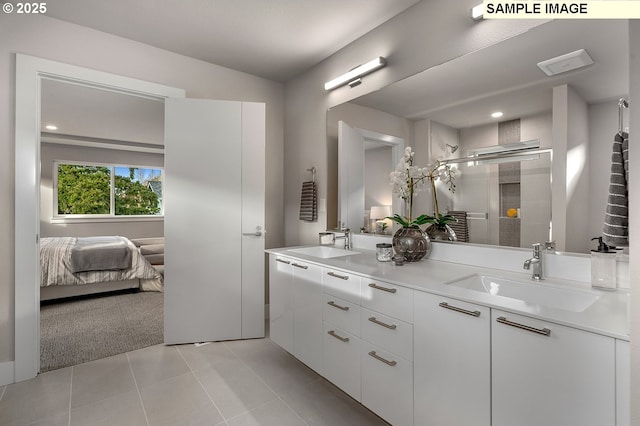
[(55, 267)]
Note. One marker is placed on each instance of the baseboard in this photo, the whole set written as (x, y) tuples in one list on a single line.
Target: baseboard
[(6, 373)]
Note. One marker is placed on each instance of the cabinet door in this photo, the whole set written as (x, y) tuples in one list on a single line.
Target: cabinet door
[(548, 374), (281, 301), (387, 384), (342, 359), (307, 314), (452, 361), (623, 383)]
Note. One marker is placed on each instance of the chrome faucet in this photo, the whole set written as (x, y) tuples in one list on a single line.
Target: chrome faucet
[(346, 237), (537, 272)]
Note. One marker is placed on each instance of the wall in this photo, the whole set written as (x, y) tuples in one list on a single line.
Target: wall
[(634, 220), (131, 229), (425, 35), (50, 38)]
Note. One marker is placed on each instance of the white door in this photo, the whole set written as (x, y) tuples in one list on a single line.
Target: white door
[(350, 176), (214, 219)]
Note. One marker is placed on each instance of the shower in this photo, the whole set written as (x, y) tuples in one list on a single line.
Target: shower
[(452, 148)]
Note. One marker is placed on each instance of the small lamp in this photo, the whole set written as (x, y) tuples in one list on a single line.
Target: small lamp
[(378, 214)]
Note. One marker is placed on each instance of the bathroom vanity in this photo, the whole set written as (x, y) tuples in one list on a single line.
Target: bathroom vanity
[(445, 343)]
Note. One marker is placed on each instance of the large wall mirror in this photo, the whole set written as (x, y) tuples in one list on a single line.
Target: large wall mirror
[(558, 191)]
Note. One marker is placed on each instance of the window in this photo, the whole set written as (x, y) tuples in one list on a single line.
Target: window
[(100, 190)]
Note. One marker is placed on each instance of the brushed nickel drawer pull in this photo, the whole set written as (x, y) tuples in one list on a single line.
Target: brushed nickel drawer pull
[(297, 265), (388, 290), (462, 311), (335, 305), (283, 261), (342, 339), (379, 358), (342, 277), (384, 324), (543, 331)]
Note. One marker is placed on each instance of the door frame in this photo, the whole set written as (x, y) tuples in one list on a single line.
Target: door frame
[(30, 71)]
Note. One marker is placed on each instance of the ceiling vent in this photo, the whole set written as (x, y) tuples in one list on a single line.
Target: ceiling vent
[(569, 62)]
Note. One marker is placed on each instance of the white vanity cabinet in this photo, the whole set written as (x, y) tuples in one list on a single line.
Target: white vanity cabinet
[(281, 301), (386, 362), (452, 362), (548, 374), (307, 313), (623, 383), (295, 308)]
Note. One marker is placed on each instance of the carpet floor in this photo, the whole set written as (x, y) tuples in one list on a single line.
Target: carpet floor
[(77, 331)]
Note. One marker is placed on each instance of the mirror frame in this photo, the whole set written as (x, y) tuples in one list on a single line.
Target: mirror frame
[(30, 71)]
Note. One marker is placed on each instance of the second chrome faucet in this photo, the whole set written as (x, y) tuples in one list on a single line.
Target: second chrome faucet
[(535, 263)]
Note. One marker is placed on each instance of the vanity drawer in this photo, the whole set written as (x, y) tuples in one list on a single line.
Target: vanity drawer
[(341, 284), (387, 384), (340, 313), (341, 355), (389, 333), (388, 299)]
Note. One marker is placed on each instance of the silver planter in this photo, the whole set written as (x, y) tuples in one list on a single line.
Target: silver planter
[(412, 243), (441, 233)]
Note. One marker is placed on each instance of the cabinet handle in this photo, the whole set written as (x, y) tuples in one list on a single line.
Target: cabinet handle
[(543, 331), (379, 358), (283, 261), (342, 339), (388, 290), (384, 324), (335, 305), (462, 311), (342, 277), (297, 265)]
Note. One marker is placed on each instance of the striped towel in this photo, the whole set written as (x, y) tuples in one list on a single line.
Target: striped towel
[(616, 218), (309, 202), (460, 227)]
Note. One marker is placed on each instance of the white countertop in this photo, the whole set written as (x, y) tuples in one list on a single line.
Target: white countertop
[(608, 315)]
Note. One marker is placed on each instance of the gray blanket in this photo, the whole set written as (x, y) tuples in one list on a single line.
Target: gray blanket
[(100, 254)]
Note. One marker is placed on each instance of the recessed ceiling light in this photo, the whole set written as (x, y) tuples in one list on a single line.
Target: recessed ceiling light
[(51, 127), (497, 114)]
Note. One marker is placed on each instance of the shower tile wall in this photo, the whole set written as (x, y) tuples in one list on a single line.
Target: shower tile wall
[(509, 181)]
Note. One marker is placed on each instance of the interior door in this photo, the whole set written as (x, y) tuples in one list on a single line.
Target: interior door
[(350, 176), (214, 171)]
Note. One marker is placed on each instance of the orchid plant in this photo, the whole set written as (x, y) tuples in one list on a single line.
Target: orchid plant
[(408, 180)]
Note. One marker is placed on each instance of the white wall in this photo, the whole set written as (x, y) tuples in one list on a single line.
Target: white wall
[(50, 38), (634, 220), (56, 152)]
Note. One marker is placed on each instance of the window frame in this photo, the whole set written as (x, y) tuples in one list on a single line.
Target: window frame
[(111, 217)]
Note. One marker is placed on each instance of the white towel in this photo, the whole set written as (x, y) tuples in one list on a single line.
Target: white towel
[(616, 218), (308, 202)]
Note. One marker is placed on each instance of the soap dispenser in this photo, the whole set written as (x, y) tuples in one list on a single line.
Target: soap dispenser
[(603, 266)]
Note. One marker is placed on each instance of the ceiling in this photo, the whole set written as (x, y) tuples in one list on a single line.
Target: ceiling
[(504, 77), (274, 39)]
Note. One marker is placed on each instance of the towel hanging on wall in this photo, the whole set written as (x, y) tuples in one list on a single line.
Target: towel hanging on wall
[(616, 218), (309, 202)]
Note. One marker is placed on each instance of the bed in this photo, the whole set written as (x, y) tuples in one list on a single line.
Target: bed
[(73, 266)]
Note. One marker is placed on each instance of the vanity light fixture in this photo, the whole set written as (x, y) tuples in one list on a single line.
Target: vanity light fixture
[(477, 12), (497, 114), (352, 78)]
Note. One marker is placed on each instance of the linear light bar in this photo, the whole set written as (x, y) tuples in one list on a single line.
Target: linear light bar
[(356, 73)]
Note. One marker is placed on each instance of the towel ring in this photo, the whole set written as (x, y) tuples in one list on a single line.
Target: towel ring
[(313, 173), (622, 105)]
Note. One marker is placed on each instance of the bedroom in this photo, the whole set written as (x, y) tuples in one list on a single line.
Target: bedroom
[(86, 129)]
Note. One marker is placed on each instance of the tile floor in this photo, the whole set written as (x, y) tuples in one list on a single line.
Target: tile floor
[(249, 382)]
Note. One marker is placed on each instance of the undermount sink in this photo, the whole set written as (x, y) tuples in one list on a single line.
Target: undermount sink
[(324, 252), (568, 299)]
